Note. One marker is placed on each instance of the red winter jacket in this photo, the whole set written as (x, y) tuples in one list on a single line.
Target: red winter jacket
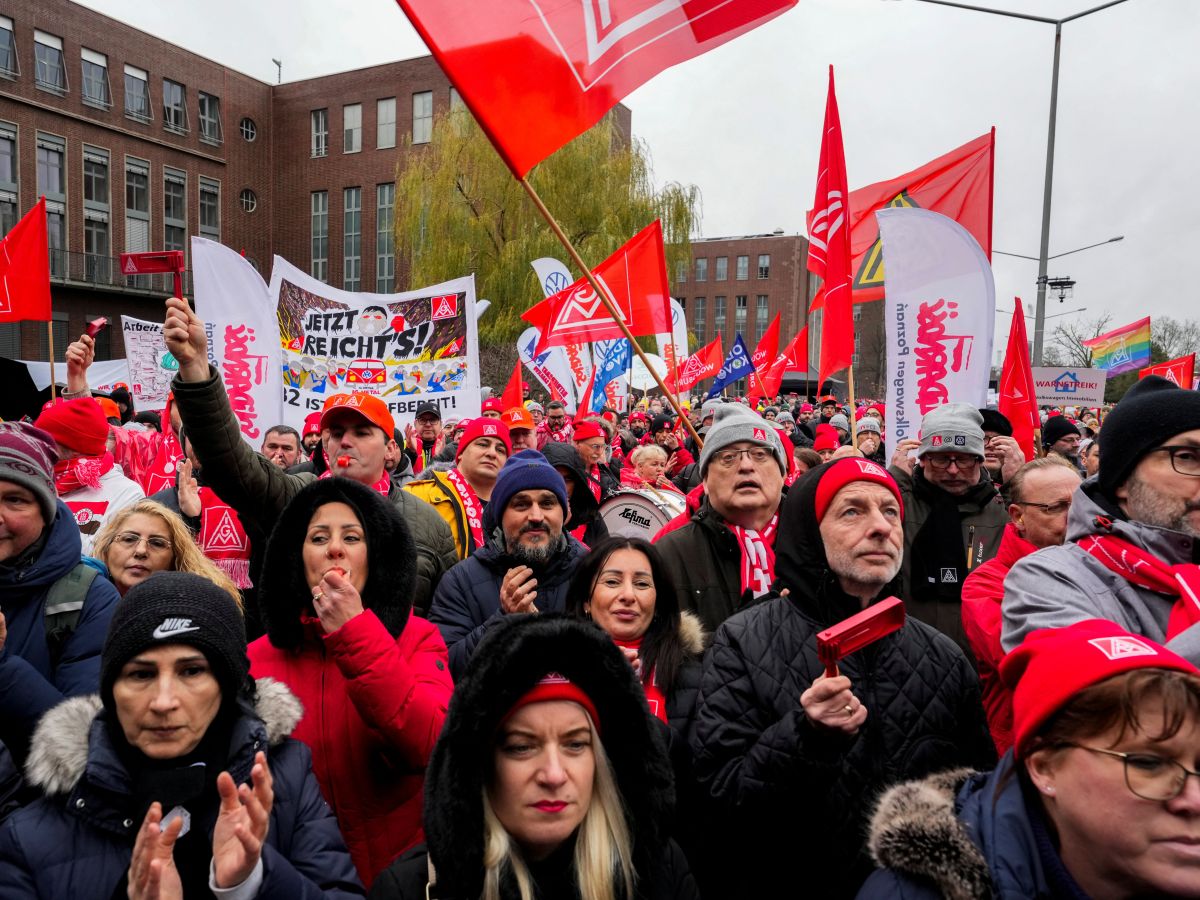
[(373, 708), (982, 593)]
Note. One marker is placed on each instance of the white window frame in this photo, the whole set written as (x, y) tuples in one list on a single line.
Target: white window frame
[(352, 128), (52, 42), (385, 123), (6, 24), (91, 57), (144, 77), (422, 122), (319, 132)]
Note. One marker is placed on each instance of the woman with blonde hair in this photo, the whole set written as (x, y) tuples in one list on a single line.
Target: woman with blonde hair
[(648, 469), (145, 538)]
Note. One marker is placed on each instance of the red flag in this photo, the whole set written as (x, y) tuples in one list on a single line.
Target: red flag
[(535, 73), (794, 356), (512, 391), (1018, 398), (767, 350), (25, 269), (636, 280), (1182, 371), (704, 363), (585, 405), (829, 253)]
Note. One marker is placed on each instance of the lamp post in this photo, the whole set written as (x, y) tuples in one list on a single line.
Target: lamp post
[(1039, 326)]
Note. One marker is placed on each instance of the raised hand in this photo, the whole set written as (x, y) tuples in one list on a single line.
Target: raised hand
[(831, 704), (80, 355), (185, 338), (152, 873), (242, 823), (188, 490), (335, 600), (901, 459), (518, 591)]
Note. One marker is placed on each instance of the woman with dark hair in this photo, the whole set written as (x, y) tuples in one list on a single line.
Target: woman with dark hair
[(623, 587), (336, 598), (1099, 797), (550, 779)]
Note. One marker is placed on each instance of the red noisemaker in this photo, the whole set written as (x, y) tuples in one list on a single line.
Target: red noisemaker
[(343, 462), (95, 326), (856, 632)]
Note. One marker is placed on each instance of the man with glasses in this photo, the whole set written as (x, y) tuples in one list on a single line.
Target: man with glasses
[(1133, 532), (954, 518), (556, 427), (1061, 437), (1039, 497), (724, 557)]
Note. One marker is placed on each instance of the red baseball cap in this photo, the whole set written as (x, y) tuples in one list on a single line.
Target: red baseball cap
[(481, 428), (368, 406)]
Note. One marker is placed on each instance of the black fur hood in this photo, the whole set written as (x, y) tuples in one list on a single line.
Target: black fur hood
[(508, 662), (284, 594)]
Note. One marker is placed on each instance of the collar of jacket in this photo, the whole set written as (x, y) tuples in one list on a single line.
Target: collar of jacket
[(1089, 503), (1013, 547), (495, 557), (978, 495)]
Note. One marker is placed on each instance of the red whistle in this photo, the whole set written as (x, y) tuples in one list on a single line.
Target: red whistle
[(856, 632), (343, 461), (95, 326)]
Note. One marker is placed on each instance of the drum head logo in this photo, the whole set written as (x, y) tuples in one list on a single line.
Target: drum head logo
[(444, 307)]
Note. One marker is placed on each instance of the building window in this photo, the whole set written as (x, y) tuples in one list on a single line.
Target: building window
[(385, 253), (49, 74), (248, 129), (743, 268), (210, 209), (764, 265), (352, 239), (385, 123), (9, 191), (760, 317), (62, 337), (137, 94), (702, 269), (210, 119), (95, 78), (722, 268), (97, 251), (95, 178), (422, 132), (320, 235), (681, 268), (352, 128), (137, 214), (699, 325), (740, 314), (174, 107), (174, 214), (719, 323), (9, 65), (320, 132), (52, 184), (249, 200)]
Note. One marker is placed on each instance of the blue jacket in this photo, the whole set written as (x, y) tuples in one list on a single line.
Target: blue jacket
[(29, 684), (467, 600), (78, 840)]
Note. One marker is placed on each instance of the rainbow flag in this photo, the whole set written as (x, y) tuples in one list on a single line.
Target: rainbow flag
[(1122, 349)]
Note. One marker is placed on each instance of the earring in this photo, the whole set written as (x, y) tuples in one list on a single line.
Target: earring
[(1048, 790)]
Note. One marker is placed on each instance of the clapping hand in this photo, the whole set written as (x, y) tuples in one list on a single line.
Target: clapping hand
[(242, 823)]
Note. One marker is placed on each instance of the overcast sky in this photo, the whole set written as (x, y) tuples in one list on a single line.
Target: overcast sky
[(914, 80)]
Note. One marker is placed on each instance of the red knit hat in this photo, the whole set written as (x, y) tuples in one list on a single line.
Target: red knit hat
[(1054, 664), (481, 428), (826, 439), (586, 430), (847, 471), (312, 424), (493, 404), (553, 686), (78, 425)]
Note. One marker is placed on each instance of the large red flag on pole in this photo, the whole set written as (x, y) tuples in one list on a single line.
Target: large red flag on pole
[(536, 73), (25, 269), (1181, 370), (794, 356), (512, 391), (1018, 396), (764, 354), (829, 251), (704, 363)]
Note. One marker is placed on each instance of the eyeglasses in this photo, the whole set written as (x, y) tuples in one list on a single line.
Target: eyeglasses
[(1148, 776), (727, 459), (941, 461), (130, 540), (1184, 459), (1050, 509)]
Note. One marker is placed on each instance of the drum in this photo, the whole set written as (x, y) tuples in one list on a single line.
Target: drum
[(641, 513)]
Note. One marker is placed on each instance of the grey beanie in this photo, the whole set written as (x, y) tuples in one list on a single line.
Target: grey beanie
[(952, 427), (733, 422), (710, 408), (840, 421), (785, 416), (869, 423)]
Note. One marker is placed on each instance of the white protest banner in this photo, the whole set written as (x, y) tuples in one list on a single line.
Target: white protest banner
[(243, 338), (404, 348), (673, 347), (1069, 386), (103, 375), (151, 364), (548, 367), (940, 309), (554, 276)]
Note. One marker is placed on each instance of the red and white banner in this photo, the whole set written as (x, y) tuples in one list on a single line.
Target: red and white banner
[(793, 357), (570, 364), (1182, 371), (766, 353), (940, 311), (673, 345), (704, 363)]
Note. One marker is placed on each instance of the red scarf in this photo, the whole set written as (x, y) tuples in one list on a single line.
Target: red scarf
[(1138, 567), (223, 540), (161, 473), (654, 697), (472, 507), (71, 475), (383, 485), (758, 556), (594, 480)]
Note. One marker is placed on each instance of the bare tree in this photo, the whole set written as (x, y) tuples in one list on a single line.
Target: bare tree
[(1175, 337), (1066, 343)]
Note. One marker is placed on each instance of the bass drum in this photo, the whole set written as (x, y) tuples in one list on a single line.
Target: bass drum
[(640, 513)]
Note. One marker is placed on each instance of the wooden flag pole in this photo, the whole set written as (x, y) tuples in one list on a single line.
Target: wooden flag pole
[(853, 407), (608, 304), (50, 340)]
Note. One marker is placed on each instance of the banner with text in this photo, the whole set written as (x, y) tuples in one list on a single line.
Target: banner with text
[(940, 310), (1058, 386), (404, 348), (549, 367), (151, 364)]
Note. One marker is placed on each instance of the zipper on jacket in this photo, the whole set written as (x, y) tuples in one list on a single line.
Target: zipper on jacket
[(971, 548)]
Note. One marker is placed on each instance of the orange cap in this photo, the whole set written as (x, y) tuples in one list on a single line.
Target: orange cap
[(111, 410), (517, 418), (366, 405)]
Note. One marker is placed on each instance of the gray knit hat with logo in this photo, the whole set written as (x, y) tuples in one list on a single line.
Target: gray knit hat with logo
[(27, 458), (952, 428), (840, 421), (733, 422), (868, 423)]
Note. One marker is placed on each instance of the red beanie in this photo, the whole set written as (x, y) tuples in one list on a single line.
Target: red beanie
[(586, 430), (826, 439), (493, 404), (1054, 664), (553, 686), (78, 425), (481, 428), (847, 471), (312, 424)]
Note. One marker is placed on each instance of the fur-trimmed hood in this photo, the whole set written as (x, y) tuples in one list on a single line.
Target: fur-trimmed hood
[(58, 754), (517, 652), (692, 635)]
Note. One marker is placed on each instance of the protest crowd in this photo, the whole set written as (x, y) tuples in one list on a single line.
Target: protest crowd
[(425, 667)]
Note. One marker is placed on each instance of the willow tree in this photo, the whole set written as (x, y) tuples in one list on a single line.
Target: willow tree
[(459, 210)]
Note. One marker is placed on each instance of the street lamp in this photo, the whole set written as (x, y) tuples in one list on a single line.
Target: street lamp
[(1039, 326)]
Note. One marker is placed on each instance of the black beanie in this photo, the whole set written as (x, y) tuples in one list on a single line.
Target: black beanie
[(996, 422), (660, 423), (1154, 410), (177, 608), (1057, 428)]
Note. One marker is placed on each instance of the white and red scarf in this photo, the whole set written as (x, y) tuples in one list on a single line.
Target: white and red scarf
[(383, 485), (81, 472), (758, 556), (222, 538), (1138, 567), (472, 507)]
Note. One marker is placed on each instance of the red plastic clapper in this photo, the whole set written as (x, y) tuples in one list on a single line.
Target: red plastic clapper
[(95, 326), (856, 632)]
